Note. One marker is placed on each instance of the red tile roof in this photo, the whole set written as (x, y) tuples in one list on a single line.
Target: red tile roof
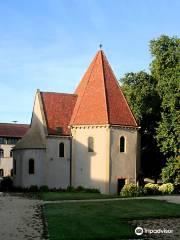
[(13, 130), (58, 109), (100, 98)]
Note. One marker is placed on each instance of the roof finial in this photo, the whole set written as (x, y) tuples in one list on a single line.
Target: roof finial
[(100, 45)]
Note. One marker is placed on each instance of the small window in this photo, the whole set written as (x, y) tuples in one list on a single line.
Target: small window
[(11, 153), (1, 152), (122, 144), (12, 140), (2, 140), (31, 166), (90, 144), (14, 167), (61, 149), (1, 172)]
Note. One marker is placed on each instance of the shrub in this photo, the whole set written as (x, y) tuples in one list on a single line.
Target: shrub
[(33, 188), (166, 188), (80, 189), (177, 189), (70, 189), (44, 188), (7, 184), (92, 190), (131, 190), (152, 188)]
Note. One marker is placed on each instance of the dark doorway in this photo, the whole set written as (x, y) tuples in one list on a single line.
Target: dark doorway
[(120, 185)]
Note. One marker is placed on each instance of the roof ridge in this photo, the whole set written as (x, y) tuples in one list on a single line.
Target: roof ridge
[(16, 124), (85, 88), (59, 93), (120, 89), (105, 90)]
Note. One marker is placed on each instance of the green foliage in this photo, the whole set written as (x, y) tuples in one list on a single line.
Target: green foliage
[(155, 101), (171, 172), (152, 189), (166, 188), (44, 188), (33, 188), (132, 190), (165, 68), (140, 91)]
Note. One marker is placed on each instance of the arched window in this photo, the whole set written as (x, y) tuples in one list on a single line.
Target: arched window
[(90, 144), (122, 144), (31, 166), (1, 152), (11, 153), (61, 149), (1, 172)]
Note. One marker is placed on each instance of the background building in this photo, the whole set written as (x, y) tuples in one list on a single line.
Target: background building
[(10, 134)]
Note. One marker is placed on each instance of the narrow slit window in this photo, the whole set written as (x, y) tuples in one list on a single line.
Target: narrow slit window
[(61, 149), (122, 144), (11, 153), (90, 144), (1, 152), (31, 166), (1, 172)]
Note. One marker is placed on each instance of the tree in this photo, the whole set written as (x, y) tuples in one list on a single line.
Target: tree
[(140, 91), (165, 68), (171, 172), (155, 101)]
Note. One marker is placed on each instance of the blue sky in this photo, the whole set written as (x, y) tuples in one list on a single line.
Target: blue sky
[(48, 44)]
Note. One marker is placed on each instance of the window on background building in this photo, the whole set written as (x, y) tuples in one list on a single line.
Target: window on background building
[(90, 144), (11, 153), (2, 140), (31, 166), (1, 172), (12, 140), (14, 167), (122, 144), (61, 149), (1, 152)]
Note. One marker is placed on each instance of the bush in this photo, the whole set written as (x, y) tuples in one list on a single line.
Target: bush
[(177, 189), (152, 188), (33, 188), (70, 189), (132, 190), (7, 184), (92, 190), (80, 189), (44, 188), (166, 188)]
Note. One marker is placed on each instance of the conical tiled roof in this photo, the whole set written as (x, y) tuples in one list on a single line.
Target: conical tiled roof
[(100, 98)]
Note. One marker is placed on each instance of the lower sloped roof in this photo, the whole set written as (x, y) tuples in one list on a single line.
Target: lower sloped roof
[(58, 109)]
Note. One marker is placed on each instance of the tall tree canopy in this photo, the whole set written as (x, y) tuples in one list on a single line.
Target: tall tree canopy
[(154, 99), (165, 68), (140, 91)]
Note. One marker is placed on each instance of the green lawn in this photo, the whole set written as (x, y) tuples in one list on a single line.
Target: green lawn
[(52, 196), (103, 220)]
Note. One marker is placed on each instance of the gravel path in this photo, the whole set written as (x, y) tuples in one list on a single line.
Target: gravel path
[(20, 218)]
